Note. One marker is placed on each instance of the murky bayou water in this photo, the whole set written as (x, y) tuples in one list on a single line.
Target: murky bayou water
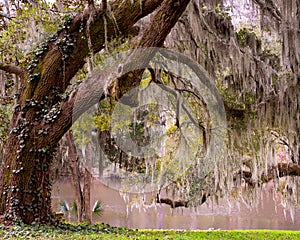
[(163, 217)]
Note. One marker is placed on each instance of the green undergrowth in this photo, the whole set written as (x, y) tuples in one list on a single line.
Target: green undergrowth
[(104, 231)]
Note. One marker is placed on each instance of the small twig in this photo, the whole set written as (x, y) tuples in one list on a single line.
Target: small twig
[(91, 4), (104, 5)]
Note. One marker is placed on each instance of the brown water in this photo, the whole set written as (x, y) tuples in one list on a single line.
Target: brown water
[(116, 213)]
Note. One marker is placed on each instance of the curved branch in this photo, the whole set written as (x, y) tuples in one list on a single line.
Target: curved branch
[(92, 89), (59, 66), (10, 68), (174, 93), (179, 203), (172, 203), (281, 170)]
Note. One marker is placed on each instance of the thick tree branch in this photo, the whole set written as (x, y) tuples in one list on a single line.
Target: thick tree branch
[(90, 91), (60, 61), (10, 68), (154, 35), (178, 203), (172, 203), (281, 170)]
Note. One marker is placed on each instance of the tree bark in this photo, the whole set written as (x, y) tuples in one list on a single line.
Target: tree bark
[(75, 171), (87, 195), (11, 69), (87, 180)]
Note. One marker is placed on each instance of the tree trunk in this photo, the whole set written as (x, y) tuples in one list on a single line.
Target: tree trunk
[(88, 178), (25, 177), (25, 181), (74, 166), (87, 195)]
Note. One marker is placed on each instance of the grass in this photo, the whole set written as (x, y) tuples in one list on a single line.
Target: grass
[(104, 231)]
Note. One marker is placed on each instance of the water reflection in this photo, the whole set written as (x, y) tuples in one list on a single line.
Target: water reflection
[(116, 213)]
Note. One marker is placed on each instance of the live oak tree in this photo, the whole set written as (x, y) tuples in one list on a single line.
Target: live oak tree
[(41, 116), (260, 89)]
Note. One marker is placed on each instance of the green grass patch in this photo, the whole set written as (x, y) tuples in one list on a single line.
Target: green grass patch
[(104, 231)]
